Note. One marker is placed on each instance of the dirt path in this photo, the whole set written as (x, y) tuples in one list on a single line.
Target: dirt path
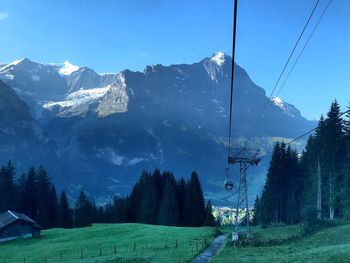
[(211, 251)]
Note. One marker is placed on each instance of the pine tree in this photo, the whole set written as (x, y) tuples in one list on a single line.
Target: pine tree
[(28, 200), (132, 204), (169, 210), (256, 212), (52, 207), (181, 193), (119, 210), (148, 199), (271, 191), (194, 207), (334, 157), (46, 199), (345, 189), (82, 211), (64, 212), (8, 197), (209, 218)]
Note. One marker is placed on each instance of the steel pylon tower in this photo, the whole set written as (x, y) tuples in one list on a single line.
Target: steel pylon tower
[(245, 157)]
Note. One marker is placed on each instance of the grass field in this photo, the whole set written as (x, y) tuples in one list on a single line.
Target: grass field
[(328, 245), (279, 232), (104, 243)]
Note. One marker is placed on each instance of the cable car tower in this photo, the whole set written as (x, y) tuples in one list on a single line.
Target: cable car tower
[(244, 157)]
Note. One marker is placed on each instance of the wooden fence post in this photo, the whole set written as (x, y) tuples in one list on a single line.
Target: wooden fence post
[(45, 259), (134, 246)]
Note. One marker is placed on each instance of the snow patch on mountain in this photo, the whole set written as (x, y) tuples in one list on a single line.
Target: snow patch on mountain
[(135, 160), (79, 98), (68, 68), (113, 157), (35, 77), (287, 108), (278, 102), (213, 65), (218, 58), (6, 77), (10, 65)]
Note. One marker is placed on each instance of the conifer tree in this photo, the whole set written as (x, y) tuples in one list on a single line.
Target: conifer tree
[(8, 197), (181, 193), (334, 157), (345, 189), (28, 200), (65, 213), (132, 204), (46, 199), (148, 199), (82, 211), (209, 218), (256, 212), (119, 210), (169, 210), (194, 207), (270, 194)]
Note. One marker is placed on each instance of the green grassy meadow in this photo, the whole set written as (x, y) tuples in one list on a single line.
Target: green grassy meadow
[(327, 245), (138, 243), (110, 243)]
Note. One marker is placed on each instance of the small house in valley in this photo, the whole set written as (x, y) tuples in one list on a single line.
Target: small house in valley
[(15, 226)]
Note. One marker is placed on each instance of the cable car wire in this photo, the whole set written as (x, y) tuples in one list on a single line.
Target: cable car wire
[(314, 129), (283, 70), (302, 51), (232, 74)]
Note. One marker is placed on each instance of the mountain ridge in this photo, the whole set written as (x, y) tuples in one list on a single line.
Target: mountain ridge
[(109, 127)]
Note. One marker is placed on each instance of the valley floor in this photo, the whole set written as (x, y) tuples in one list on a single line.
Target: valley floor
[(111, 243)]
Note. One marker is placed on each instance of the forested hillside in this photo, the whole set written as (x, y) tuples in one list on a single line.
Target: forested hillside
[(314, 184), (157, 198)]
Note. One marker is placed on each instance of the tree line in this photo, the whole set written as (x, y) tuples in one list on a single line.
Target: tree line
[(157, 198), (313, 184)]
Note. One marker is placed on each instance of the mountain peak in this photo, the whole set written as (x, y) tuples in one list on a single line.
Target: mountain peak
[(219, 58), (15, 63), (278, 102), (68, 68)]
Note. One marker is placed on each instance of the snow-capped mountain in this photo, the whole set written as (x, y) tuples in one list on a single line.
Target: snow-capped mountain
[(109, 127)]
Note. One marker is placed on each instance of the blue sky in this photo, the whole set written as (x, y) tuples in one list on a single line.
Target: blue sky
[(111, 35)]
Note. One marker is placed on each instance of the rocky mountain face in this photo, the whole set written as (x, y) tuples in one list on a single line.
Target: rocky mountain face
[(106, 128), (21, 137)]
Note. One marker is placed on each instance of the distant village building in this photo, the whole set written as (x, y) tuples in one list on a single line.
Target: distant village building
[(15, 225)]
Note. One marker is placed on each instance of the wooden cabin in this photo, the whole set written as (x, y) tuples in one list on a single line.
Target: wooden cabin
[(16, 226)]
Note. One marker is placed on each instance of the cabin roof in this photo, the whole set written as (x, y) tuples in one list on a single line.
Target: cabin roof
[(9, 217)]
